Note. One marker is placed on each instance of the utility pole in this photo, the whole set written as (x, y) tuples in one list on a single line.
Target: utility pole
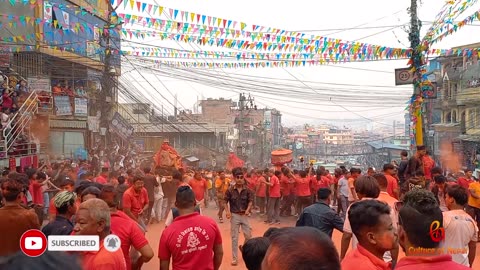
[(416, 62), (244, 104), (241, 108), (108, 95), (107, 80)]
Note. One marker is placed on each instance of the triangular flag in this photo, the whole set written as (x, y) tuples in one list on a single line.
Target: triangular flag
[(160, 11), (243, 25), (132, 3), (139, 6), (175, 13), (144, 5)]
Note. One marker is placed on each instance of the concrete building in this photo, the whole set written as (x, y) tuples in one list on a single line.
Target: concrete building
[(59, 45), (337, 136), (458, 102)]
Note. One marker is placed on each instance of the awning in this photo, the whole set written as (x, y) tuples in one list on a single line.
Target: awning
[(192, 159)]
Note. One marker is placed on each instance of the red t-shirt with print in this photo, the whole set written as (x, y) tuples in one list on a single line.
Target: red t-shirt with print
[(189, 242)]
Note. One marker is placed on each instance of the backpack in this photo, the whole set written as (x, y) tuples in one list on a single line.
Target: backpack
[(176, 213)]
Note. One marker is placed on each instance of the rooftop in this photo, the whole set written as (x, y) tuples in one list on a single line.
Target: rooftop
[(173, 127), (380, 145)]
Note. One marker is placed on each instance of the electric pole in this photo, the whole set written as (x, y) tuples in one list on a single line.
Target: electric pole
[(244, 104), (107, 97), (241, 107), (417, 63)]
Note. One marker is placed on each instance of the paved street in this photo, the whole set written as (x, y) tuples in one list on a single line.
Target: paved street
[(258, 228)]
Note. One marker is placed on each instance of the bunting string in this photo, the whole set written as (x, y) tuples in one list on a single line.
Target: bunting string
[(272, 36), (65, 7), (451, 10), (14, 21), (457, 26), (332, 46), (245, 56)]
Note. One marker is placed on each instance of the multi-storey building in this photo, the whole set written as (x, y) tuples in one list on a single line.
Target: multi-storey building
[(457, 104), (59, 46)]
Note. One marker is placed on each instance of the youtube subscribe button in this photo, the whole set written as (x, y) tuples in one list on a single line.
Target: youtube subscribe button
[(73, 242)]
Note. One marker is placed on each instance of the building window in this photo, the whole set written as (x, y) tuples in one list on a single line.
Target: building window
[(66, 142), (448, 118), (470, 122)]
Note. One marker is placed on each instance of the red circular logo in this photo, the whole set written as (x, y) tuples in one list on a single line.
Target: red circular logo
[(33, 243)]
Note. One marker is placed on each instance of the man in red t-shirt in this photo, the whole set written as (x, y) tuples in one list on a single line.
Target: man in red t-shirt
[(288, 195), (392, 182), (103, 177), (93, 218), (200, 188), (127, 230), (273, 214), (466, 180), (192, 241), (135, 201), (261, 193)]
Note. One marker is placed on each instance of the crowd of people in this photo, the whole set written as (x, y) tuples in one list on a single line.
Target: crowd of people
[(410, 206)]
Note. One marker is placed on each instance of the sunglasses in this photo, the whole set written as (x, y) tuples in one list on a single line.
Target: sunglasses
[(239, 176)]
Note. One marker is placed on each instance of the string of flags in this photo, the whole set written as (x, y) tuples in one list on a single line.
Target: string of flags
[(14, 21), (450, 11), (332, 46), (77, 9), (216, 31), (452, 28)]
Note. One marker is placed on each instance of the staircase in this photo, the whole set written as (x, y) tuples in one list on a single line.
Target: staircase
[(19, 125)]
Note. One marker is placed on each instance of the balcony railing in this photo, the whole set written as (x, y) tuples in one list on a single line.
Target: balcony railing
[(19, 124)]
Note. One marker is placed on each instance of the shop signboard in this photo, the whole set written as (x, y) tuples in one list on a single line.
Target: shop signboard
[(121, 126), (62, 105), (39, 84), (81, 107)]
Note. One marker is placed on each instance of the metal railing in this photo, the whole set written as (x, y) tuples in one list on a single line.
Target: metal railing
[(20, 122)]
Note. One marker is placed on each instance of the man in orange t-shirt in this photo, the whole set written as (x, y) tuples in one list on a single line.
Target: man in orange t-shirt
[(200, 188)]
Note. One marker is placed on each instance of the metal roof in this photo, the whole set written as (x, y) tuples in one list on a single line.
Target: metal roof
[(380, 145), (173, 127)]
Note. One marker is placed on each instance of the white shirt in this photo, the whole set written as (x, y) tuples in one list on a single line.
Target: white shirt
[(460, 229)]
